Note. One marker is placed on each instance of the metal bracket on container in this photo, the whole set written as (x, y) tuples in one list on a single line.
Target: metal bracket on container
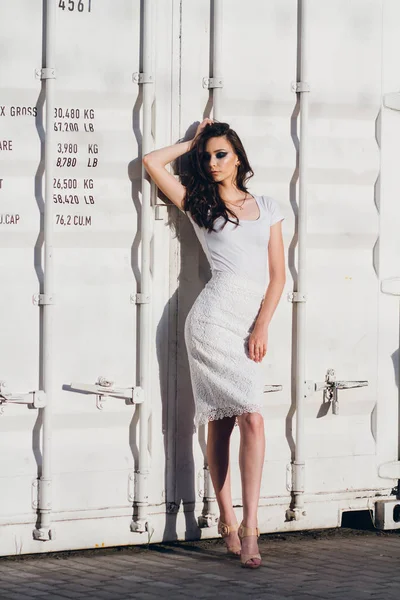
[(331, 387), (296, 297), (35, 494), (213, 82), (104, 387), (142, 78), (391, 286), (300, 87), (42, 299), (389, 470), (159, 211), (272, 388), (45, 73), (36, 399), (392, 100), (140, 298)]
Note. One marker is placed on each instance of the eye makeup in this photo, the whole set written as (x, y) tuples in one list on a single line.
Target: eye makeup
[(220, 154)]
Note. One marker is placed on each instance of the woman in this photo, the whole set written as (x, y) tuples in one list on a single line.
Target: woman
[(226, 330)]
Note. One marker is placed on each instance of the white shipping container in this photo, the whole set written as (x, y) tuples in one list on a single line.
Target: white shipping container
[(73, 307)]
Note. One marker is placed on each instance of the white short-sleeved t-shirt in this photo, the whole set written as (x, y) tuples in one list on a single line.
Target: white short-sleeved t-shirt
[(243, 249)]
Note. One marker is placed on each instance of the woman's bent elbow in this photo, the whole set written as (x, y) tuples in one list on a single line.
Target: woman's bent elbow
[(146, 160)]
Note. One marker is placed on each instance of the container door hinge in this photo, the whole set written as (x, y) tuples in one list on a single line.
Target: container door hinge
[(289, 477), (46, 73), (142, 78), (295, 477), (331, 387), (300, 86), (295, 484), (104, 388), (140, 298), (36, 399), (131, 487), (213, 82), (35, 494), (296, 297), (43, 299)]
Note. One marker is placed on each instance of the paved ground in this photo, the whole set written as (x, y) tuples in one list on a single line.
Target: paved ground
[(332, 564)]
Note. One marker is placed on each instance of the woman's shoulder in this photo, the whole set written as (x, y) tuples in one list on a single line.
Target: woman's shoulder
[(267, 201), (272, 207)]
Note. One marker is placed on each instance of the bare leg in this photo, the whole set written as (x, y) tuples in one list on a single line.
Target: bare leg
[(251, 460), (219, 433)]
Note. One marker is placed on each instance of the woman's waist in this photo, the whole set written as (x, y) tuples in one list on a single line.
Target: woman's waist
[(237, 281)]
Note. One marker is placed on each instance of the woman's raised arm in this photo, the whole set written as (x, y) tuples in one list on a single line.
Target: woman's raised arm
[(155, 162)]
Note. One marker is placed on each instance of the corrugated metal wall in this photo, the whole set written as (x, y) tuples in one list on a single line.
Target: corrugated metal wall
[(353, 244)]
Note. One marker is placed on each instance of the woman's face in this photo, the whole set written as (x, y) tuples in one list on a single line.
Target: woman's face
[(220, 159)]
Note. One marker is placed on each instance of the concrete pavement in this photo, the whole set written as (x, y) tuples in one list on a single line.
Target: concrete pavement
[(331, 564)]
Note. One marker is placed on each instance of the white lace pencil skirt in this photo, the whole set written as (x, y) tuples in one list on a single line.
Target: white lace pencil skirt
[(225, 381)]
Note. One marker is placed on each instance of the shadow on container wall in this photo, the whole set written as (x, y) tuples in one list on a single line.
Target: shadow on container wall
[(294, 123), (37, 252), (134, 173), (176, 398), (135, 176), (177, 402)]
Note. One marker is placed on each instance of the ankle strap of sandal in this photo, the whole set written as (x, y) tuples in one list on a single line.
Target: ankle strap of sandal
[(247, 531), (224, 529)]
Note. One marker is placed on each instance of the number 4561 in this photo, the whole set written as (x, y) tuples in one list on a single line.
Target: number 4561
[(78, 5)]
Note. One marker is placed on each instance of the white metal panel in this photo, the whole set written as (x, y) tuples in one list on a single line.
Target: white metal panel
[(95, 328), (353, 245), (343, 222), (343, 229), (20, 161), (388, 254), (96, 250)]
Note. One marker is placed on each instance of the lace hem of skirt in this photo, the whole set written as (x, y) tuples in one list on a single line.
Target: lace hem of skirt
[(222, 413)]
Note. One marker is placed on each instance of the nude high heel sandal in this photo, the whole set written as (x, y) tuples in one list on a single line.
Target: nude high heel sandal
[(224, 530), (250, 561)]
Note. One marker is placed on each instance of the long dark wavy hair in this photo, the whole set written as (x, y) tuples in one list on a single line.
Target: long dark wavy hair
[(202, 198)]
